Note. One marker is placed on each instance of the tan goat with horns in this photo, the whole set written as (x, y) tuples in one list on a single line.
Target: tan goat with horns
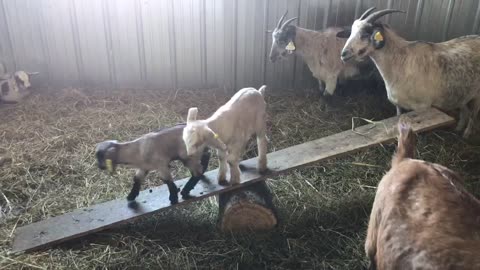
[(417, 74)]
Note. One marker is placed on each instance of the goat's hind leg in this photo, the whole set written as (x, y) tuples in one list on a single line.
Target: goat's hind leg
[(137, 183), (262, 152), (475, 108), (222, 168), (235, 172), (168, 180), (462, 118)]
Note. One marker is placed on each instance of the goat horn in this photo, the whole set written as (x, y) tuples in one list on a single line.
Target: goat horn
[(288, 22), (366, 13), (375, 16), (281, 19)]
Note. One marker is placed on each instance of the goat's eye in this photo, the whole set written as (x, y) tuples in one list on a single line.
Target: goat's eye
[(365, 36)]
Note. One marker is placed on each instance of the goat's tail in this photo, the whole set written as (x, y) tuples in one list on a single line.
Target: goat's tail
[(262, 90), (406, 142)]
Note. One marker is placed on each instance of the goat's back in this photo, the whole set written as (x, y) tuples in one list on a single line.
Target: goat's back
[(241, 117), (421, 74), (247, 101), (423, 218), (164, 144)]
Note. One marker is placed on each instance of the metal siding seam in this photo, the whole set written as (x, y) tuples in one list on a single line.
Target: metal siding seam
[(418, 16), (446, 24), (235, 47), (173, 48), (44, 44), (14, 58), (76, 42), (476, 20), (389, 6), (326, 13), (108, 41), (295, 56), (358, 6), (264, 43), (140, 41), (204, 44)]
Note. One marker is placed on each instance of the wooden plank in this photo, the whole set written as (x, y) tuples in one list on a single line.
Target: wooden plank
[(98, 217)]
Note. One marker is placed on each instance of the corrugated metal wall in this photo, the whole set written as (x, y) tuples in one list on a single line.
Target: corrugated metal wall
[(172, 44)]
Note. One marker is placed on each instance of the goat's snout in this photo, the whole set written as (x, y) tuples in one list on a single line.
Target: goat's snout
[(346, 55), (273, 57)]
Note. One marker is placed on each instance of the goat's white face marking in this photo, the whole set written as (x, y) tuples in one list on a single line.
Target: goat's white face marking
[(358, 45), (279, 44), (191, 138)]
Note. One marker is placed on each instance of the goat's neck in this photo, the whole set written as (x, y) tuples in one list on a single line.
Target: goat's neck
[(392, 56), (303, 40), (213, 123), (129, 153)]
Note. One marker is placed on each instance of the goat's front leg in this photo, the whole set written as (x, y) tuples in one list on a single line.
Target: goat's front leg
[(321, 86), (399, 110), (262, 152), (196, 169), (137, 183), (222, 167), (330, 86), (168, 180)]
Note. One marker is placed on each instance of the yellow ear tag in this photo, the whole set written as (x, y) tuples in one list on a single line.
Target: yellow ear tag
[(290, 47), (215, 135), (109, 165), (378, 36)]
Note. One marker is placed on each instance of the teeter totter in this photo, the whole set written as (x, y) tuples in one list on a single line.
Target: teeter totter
[(247, 205)]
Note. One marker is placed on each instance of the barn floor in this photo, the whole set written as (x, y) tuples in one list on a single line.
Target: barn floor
[(324, 209)]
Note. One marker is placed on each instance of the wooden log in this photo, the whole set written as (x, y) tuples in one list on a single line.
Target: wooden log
[(249, 208)]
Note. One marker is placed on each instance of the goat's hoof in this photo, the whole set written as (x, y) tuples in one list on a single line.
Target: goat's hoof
[(459, 128), (223, 182), (466, 135), (173, 200), (186, 195), (133, 205), (264, 171)]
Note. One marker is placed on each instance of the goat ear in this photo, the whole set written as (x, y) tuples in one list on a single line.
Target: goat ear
[(192, 114), (378, 40), (344, 34)]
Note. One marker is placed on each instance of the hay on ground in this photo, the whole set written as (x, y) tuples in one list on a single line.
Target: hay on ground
[(48, 168)]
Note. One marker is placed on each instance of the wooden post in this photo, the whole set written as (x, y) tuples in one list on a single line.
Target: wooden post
[(249, 208)]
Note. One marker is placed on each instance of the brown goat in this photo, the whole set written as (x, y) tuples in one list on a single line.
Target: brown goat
[(422, 217)]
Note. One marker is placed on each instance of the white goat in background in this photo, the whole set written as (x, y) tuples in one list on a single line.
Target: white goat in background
[(14, 87)]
